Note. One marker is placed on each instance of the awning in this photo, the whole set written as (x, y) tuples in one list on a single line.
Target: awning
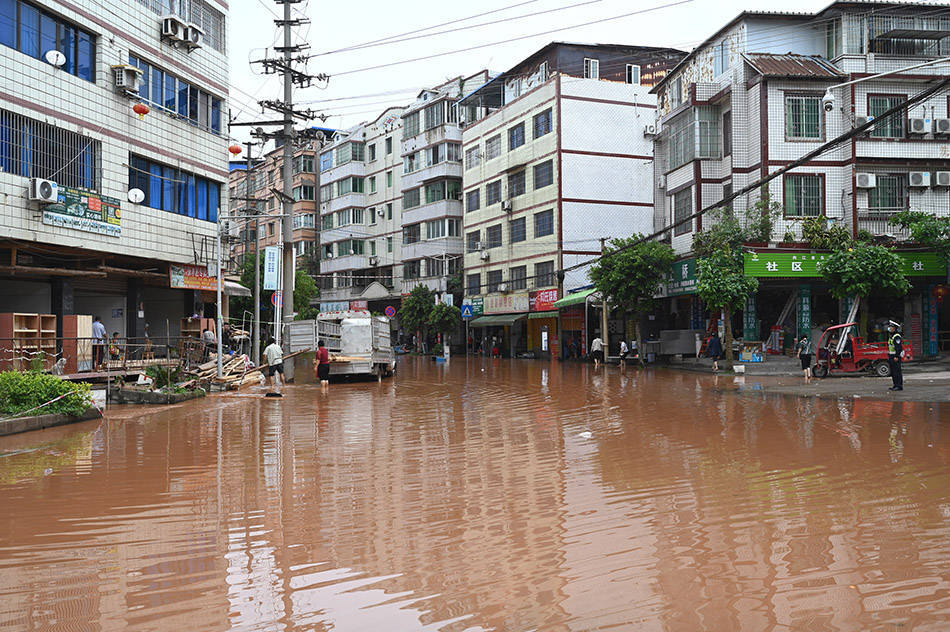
[(534, 315), (575, 298), (233, 288), (497, 320)]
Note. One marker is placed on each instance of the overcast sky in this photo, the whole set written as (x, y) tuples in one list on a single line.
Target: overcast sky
[(352, 98)]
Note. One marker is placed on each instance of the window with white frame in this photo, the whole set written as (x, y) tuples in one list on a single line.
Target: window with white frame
[(435, 229), (591, 68), (804, 194), (707, 132), (633, 74), (410, 125), (802, 117), (721, 57), (473, 157)]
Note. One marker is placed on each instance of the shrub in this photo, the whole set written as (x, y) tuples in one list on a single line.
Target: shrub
[(20, 392), (164, 376)]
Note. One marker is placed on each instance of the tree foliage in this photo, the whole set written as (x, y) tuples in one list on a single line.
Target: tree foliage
[(760, 219), (819, 236), (21, 392), (416, 309), (865, 270), (631, 277), (444, 318), (926, 229), (305, 289)]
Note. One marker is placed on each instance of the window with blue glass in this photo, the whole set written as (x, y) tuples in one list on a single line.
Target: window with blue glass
[(35, 32), (34, 149), (168, 92), (173, 190)]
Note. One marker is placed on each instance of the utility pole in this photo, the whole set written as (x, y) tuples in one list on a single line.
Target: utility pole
[(287, 294), (603, 306), (256, 325)]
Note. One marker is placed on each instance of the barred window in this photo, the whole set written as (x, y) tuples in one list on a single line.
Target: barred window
[(544, 274), (412, 234), (493, 236), (544, 223), (544, 174), (682, 208), (893, 125), (803, 195), (516, 184), (518, 277), (681, 144), (494, 280), (34, 149), (473, 157), (889, 193), (411, 269), (493, 193), (802, 117), (198, 12), (472, 240), (542, 123), (472, 200), (493, 147), (516, 230), (516, 136), (473, 284)]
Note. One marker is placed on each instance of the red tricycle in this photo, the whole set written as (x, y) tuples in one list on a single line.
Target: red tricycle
[(856, 355)]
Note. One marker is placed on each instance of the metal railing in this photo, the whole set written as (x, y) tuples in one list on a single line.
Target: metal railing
[(877, 221), (64, 355)]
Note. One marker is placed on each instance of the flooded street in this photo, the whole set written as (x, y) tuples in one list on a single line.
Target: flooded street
[(488, 495)]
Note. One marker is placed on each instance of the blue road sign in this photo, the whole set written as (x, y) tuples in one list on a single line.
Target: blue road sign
[(467, 311)]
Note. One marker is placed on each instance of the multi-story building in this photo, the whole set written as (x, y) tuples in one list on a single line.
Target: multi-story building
[(557, 155), (106, 212), (749, 101)]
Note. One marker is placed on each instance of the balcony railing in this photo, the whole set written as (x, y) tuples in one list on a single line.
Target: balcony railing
[(877, 221)]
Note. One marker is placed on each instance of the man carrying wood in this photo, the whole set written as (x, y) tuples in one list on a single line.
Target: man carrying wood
[(274, 357)]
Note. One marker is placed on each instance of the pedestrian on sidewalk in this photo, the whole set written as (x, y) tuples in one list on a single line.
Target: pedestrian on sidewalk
[(98, 342), (323, 365), (804, 354), (895, 356), (597, 350), (714, 350), (274, 357)]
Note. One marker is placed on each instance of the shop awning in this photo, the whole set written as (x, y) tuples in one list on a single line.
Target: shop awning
[(575, 298), (534, 315), (497, 320), (232, 288)]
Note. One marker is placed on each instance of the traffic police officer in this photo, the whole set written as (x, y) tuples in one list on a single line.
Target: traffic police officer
[(895, 355)]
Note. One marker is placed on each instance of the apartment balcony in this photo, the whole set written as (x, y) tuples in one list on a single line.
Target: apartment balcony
[(344, 263), (432, 248), (352, 168), (434, 210), (436, 284), (442, 170), (344, 201), (878, 222)]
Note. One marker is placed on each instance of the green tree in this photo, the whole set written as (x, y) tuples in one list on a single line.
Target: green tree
[(416, 310), (444, 319), (631, 274), (816, 232), (926, 229), (760, 219), (305, 289), (863, 271)]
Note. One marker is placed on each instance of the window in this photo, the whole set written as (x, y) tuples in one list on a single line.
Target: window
[(170, 189), (443, 190), (344, 217), (682, 207), (326, 192), (435, 229), (707, 132), (389, 145), (31, 148), (889, 194), (303, 192), (326, 161), (472, 201), (161, 89), (544, 223), (412, 269), (721, 58), (389, 210), (516, 230), (833, 39), (493, 147), (196, 12), (494, 280), (372, 184), (727, 133), (303, 164), (303, 220), (471, 241), (389, 244), (516, 136), (372, 152), (389, 179), (493, 236), (357, 216), (327, 222), (434, 115), (544, 274), (33, 32), (434, 155), (411, 198), (349, 185), (371, 211), (893, 125), (543, 71), (453, 227), (410, 125), (676, 92), (542, 123), (493, 193), (633, 74), (411, 163), (544, 174), (348, 152), (411, 234), (435, 267), (804, 194), (473, 284), (516, 184), (802, 117), (681, 142), (591, 68), (518, 277), (473, 157)]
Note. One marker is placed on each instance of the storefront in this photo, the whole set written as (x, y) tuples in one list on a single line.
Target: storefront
[(543, 334), (573, 317), (502, 324)]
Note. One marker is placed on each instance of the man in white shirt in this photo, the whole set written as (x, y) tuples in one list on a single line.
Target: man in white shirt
[(274, 359), (98, 342), (597, 350), (623, 354)]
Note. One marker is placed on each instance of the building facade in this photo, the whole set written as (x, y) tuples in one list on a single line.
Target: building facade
[(749, 101), (106, 212), (557, 155)]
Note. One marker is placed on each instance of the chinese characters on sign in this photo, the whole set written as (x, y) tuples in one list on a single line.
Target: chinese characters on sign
[(804, 310), (808, 264), (85, 210), (271, 267), (543, 300), (507, 304), (187, 277), (683, 278)]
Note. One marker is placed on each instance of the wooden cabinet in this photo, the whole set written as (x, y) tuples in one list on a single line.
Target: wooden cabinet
[(192, 327), (25, 338), (77, 342)]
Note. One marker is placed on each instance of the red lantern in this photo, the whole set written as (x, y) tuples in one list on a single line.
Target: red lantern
[(940, 291), (141, 109), (235, 149)]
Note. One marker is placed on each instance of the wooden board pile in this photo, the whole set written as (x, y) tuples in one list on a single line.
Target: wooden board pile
[(236, 371)]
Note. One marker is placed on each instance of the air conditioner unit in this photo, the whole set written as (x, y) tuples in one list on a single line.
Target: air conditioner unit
[(502, 287), (506, 206), (866, 180), (381, 212), (941, 127), (374, 261), (661, 182), (127, 78), (918, 126), (45, 191), (942, 179), (174, 28), (649, 129), (918, 179), (194, 37), (484, 255)]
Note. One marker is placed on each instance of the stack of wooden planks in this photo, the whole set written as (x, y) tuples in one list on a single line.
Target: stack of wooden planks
[(236, 371)]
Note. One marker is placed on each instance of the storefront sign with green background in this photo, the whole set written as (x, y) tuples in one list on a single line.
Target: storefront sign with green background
[(799, 264), (750, 323), (478, 305), (682, 278)]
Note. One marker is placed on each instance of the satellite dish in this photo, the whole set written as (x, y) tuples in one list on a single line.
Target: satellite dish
[(55, 58), (136, 196)]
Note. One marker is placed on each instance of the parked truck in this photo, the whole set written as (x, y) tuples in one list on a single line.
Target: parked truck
[(359, 343)]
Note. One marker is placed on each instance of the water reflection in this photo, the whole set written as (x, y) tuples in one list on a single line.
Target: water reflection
[(487, 495)]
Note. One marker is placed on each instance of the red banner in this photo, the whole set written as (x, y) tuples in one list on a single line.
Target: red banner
[(543, 300)]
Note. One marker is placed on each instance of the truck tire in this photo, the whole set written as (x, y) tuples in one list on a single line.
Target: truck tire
[(882, 369), (820, 370)]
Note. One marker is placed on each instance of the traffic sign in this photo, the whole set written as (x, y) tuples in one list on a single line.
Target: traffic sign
[(277, 299), (467, 311), (390, 311)]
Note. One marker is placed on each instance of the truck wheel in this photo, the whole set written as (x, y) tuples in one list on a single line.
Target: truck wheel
[(882, 369), (820, 370)]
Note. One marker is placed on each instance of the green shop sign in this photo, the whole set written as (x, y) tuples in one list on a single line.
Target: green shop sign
[(682, 278), (808, 264)]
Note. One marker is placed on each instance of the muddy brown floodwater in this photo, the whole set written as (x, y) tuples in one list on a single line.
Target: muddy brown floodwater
[(488, 495)]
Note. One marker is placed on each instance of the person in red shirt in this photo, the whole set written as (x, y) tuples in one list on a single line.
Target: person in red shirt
[(323, 365)]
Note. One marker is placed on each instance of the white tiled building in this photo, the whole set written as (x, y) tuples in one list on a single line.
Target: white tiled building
[(64, 119)]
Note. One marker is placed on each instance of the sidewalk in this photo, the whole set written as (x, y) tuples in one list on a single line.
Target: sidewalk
[(785, 366)]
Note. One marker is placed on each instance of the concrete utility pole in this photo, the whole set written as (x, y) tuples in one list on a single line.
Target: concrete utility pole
[(256, 325), (603, 306), (289, 267)]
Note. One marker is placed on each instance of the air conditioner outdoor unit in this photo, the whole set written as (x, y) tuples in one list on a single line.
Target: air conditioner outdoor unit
[(942, 179), (174, 28), (127, 78), (918, 178), (942, 126), (484, 255), (381, 212), (45, 191), (649, 129), (506, 206), (194, 37), (661, 182), (866, 180), (918, 126), (374, 261), (502, 287), (861, 120)]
